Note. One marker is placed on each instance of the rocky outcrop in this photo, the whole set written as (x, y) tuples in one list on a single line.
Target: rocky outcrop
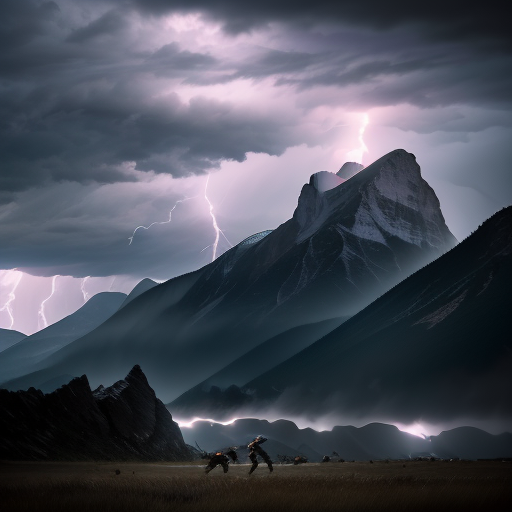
[(123, 422)]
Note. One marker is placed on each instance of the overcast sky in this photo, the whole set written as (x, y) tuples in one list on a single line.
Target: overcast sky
[(115, 112)]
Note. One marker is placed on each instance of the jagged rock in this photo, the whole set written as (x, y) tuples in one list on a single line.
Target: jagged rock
[(123, 422)]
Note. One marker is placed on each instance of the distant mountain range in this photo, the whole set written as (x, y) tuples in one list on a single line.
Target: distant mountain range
[(21, 358), (436, 347), (375, 441), (343, 247)]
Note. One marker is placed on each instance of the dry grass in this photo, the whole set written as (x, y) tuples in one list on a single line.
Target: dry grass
[(80, 487)]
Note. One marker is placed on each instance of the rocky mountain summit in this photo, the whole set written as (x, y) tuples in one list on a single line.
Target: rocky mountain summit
[(125, 421)]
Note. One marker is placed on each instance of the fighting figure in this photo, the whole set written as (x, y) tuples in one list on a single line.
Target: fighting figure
[(255, 450), (221, 459)]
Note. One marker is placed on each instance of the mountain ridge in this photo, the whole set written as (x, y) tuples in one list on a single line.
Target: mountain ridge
[(15, 360), (125, 421)]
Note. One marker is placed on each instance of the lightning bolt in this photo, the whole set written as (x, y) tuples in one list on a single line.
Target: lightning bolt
[(216, 228), (11, 297), (356, 155), (41, 314), (179, 201), (190, 424), (362, 129), (82, 288)]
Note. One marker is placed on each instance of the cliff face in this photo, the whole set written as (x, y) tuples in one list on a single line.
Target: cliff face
[(123, 422)]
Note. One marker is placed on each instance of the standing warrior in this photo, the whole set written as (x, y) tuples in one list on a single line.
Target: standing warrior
[(255, 450), (220, 458)]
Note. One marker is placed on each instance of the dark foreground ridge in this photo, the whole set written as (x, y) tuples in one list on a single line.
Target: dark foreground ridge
[(125, 421)]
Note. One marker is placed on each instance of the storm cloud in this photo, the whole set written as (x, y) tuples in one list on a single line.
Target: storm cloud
[(112, 112)]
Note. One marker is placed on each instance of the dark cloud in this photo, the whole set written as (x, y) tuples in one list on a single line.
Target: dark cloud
[(84, 137), (80, 97), (107, 25), (82, 230), (82, 128), (454, 20), (92, 92), (169, 59), (23, 21)]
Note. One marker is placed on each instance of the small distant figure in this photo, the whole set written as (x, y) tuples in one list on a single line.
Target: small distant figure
[(221, 459), (254, 450), (299, 460), (326, 458)]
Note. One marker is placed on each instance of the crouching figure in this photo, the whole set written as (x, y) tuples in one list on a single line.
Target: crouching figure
[(254, 450), (221, 459)]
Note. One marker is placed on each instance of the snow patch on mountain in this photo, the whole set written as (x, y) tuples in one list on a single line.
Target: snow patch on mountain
[(365, 225)]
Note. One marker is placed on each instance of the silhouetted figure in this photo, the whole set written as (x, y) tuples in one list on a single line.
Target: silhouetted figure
[(221, 459), (299, 460), (326, 458), (255, 450)]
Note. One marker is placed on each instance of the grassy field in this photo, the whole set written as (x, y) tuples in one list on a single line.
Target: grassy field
[(349, 486)]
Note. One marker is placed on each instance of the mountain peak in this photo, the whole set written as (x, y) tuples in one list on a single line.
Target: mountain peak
[(389, 198), (136, 376), (349, 169)]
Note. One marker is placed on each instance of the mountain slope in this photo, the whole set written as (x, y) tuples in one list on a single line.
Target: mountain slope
[(9, 337), (434, 348), (341, 249), (140, 288), (21, 358), (209, 400)]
